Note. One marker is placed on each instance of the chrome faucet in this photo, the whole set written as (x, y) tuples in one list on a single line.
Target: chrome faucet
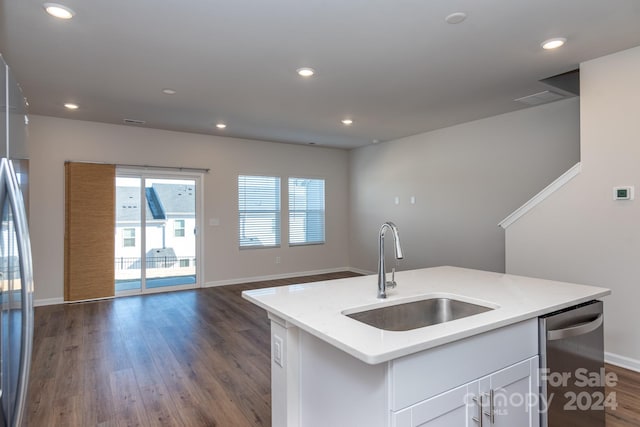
[(382, 274)]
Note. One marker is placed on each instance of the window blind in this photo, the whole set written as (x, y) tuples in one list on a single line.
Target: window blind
[(89, 228), (306, 211), (259, 211)]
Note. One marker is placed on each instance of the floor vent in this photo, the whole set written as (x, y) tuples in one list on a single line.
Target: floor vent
[(540, 98), (133, 122)]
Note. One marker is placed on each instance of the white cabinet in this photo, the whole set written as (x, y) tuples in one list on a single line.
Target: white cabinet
[(315, 384), (511, 395), (506, 398)]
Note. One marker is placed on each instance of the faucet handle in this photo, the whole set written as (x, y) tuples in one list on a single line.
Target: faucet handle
[(392, 283)]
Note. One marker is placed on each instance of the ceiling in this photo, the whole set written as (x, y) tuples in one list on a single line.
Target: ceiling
[(395, 67)]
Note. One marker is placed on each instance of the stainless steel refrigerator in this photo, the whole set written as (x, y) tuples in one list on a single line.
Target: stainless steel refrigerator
[(16, 276)]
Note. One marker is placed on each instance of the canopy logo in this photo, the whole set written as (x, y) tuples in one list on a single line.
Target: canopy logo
[(581, 390)]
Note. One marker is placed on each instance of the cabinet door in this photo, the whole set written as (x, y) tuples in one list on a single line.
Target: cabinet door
[(506, 398), (444, 410), (511, 396)]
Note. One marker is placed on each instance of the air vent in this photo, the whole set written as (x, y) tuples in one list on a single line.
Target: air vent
[(133, 122), (540, 98)]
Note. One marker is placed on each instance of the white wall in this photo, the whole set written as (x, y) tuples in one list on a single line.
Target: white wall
[(580, 234), (54, 140), (465, 178)]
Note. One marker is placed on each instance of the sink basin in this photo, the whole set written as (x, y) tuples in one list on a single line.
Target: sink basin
[(418, 314)]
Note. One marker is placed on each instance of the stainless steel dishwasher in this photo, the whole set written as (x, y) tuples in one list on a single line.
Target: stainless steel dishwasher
[(572, 367)]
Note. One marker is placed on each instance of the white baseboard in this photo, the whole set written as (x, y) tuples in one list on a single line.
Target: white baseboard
[(47, 301), (54, 301), (622, 361), (274, 277)]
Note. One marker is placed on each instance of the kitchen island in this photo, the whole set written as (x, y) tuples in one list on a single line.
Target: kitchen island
[(330, 369)]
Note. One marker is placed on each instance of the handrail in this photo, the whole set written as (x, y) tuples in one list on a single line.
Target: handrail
[(126, 263), (546, 192)]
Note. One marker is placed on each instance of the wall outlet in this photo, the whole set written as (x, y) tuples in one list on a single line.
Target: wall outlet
[(278, 260), (278, 349)]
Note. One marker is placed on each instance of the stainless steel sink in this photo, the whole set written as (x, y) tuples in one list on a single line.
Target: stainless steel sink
[(418, 314)]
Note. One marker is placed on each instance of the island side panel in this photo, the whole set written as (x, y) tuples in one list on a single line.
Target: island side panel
[(336, 389), (285, 373)]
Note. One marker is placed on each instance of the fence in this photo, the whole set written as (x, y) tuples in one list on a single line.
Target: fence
[(134, 263)]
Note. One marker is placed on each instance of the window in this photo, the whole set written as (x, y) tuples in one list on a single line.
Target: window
[(178, 228), (306, 211), (259, 211), (129, 237)]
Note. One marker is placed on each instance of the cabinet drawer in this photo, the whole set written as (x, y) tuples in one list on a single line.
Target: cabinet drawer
[(422, 375)]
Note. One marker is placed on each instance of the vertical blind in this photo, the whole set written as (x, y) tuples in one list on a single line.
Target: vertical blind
[(89, 225), (259, 211), (306, 211)]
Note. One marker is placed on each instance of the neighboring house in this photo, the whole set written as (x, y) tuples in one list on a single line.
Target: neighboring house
[(170, 225)]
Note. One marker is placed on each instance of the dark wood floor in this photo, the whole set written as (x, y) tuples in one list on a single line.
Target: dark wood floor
[(189, 358), (627, 393)]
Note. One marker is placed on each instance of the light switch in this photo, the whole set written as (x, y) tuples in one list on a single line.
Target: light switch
[(213, 222), (396, 200)]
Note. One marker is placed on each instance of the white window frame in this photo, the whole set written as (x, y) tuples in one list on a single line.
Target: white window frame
[(248, 204), (153, 173), (295, 213)]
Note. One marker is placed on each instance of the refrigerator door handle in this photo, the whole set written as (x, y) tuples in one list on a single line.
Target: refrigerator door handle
[(574, 331), (26, 273)]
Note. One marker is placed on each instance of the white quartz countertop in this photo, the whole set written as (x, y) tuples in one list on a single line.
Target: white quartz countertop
[(318, 307)]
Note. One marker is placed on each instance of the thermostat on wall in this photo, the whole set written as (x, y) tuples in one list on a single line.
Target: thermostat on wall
[(623, 193)]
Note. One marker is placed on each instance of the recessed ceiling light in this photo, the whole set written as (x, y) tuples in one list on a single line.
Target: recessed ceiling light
[(71, 106), (456, 17), (168, 91), (221, 125), (305, 72), (346, 122), (58, 10), (553, 43)]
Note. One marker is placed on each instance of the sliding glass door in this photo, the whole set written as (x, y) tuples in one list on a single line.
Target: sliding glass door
[(156, 239)]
